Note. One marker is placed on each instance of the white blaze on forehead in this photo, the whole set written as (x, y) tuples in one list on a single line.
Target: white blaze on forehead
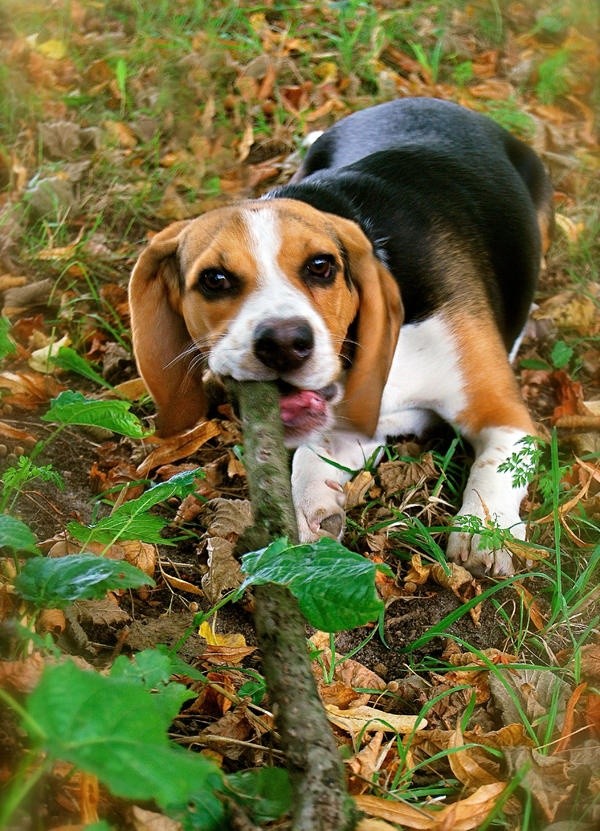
[(265, 242)]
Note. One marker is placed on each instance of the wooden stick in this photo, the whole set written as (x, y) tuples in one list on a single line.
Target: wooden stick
[(321, 802)]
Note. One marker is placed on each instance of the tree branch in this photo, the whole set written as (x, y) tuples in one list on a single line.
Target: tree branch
[(321, 802)]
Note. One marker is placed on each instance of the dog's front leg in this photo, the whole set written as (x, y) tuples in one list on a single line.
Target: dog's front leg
[(492, 497), (318, 478)]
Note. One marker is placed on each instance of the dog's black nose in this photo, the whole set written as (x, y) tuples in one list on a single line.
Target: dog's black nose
[(283, 345)]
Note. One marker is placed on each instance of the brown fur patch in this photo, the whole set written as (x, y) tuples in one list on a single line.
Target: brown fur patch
[(493, 397)]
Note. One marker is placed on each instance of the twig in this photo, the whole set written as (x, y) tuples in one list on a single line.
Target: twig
[(321, 802)]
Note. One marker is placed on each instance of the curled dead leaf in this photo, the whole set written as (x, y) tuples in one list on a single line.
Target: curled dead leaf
[(471, 765), (369, 719), (179, 447), (464, 815), (51, 620), (358, 488), (29, 390)]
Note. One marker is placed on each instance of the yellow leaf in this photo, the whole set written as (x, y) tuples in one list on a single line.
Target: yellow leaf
[(213, 638), (55, 49)]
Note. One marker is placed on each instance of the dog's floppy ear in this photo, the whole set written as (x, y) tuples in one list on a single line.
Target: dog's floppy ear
[(380, 315), (161, 341)]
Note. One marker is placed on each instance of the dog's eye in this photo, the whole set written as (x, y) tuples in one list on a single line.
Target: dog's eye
[(213, 281), (321, 269)]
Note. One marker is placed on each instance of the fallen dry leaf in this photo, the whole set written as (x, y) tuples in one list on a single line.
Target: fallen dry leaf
[(22, 676), (179, 447), (7, 431), (29, 390), (375, 825), (365, 719), (144, 820), (545, 777), (357, 489), (181, 585), (104, 612), (464, 815), (230, 639), (471, 765)]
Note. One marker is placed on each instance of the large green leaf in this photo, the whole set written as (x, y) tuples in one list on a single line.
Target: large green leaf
[(57, 582), (131, 520), (117, 730), (74, 408), (266, 793), (17, 536), (334, 587)]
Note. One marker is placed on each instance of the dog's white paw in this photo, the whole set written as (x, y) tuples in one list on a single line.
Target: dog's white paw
[(476, 552), (321, 513)]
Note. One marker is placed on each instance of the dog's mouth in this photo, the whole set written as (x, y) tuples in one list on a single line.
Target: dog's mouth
[(303, 411)]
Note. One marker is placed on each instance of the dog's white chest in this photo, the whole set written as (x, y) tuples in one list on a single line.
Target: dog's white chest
[(425, 377)]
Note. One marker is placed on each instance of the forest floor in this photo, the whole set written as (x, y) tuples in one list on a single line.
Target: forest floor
[(118, 119)]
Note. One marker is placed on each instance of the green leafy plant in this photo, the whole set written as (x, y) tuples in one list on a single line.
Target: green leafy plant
[(132, 519), (49, 582), (24, 472), (7, 345), (74, 408), (349, 601)]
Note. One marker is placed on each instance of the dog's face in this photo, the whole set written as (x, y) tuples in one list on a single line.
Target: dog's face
[(266, 290)]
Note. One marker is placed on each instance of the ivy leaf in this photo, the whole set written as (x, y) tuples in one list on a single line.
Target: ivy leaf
[(57, 582), (74, 408), (332, 605)]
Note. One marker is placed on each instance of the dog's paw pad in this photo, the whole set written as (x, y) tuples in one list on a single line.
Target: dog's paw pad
[(332, 525)]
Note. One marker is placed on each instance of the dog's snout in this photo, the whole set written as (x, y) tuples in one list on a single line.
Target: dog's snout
[(283, 345)]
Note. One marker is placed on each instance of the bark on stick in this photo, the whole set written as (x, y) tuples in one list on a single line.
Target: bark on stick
[(321, 802)]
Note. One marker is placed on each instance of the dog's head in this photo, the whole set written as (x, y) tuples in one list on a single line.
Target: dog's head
[(266, 290)]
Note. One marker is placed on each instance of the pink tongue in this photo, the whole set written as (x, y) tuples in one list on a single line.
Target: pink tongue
[(302, 407)]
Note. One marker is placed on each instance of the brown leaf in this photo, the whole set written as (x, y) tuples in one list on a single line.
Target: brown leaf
[(179, 446), (367, 762), (144, 820), (535, 613), (19, 299), (51, 620), (224, 571), (592, 714), (590, 662), (181, 585), (29, 390), (357, 489), (22, 676), (105, 612), (471, 766), (460, 582), (7, 431), (535, 690), (544, 776), (223, 654), (464, 815)]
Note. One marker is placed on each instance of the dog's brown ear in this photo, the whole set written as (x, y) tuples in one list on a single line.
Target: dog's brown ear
[(380, 315), (162, 344)]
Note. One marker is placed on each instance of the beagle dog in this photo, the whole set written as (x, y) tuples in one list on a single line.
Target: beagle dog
[(385, 285)]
